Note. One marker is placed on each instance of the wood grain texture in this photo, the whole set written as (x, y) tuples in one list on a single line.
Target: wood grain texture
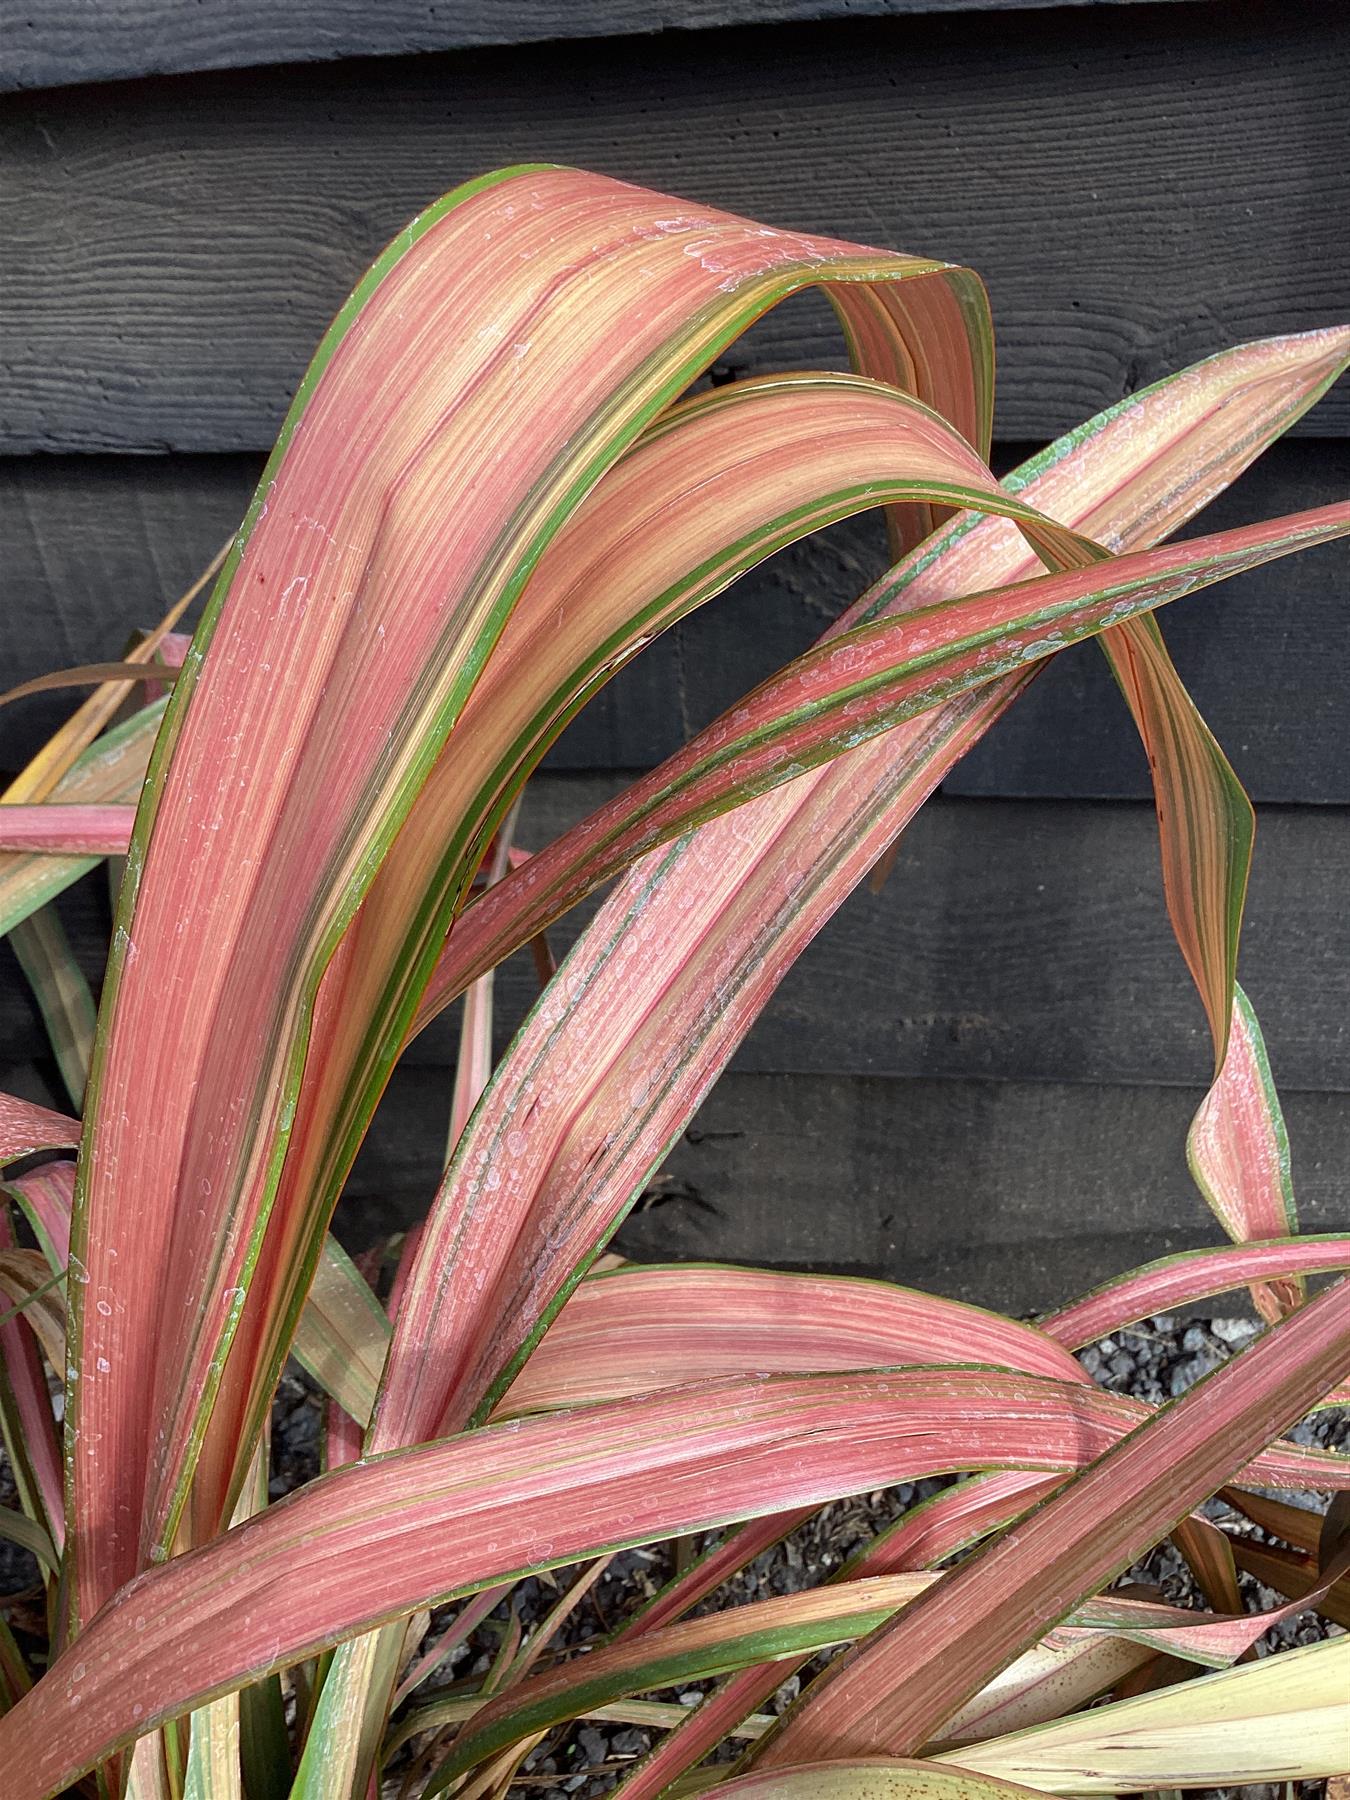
[(1139, 185), (96, 546), (49, 43), (1015, 940), (1015, 1195)]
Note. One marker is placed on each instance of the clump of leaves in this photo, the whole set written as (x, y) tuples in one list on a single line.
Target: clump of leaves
[(494, 487)]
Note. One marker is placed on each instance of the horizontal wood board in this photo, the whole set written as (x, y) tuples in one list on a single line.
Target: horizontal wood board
[(1014, 1195), (50, 43), (96, 546), (1139, 186), (1015, 940)]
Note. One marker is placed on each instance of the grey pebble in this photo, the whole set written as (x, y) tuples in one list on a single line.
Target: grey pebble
[(592, 1744), (1234, 1331), (630, 1742)]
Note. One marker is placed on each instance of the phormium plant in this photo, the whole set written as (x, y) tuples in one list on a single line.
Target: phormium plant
[(493, 488)]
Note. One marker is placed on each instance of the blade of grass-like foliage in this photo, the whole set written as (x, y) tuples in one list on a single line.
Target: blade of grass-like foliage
[(704, 1574), (1295, 1524), (646, 1058), (1237, 1147), (496, 1779), (109, 773), (215, 1761), (1295, 1574), (18, 1528), (264, 1739), (1206, 822), (382, 1538), (953, 1520), (473, 1063), (1281, 1719), (15, 1680), (29, 1436), (453, 1710), (213, 1766), (54, 829), (466, 1621), (634, 1329), (365, 580), (1238, 1151), (922, 1537), (125, 674), (28, 1288), (68, 749), (1213, 1640), (1065, 1669), (1192, 1275), (642, 1328), (1221, 413), (871, 1778), (1055, 1678), (795, 1626), (718, 484), (1209, 1556), (694, 1650), (343, 1334), (61, 992), (26, 1422), (44, 1195), (74, 766), (765, 463), (26, 1127), (898, 1690)]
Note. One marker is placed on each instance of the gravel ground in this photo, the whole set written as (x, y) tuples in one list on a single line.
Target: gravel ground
[(1155, 1361)]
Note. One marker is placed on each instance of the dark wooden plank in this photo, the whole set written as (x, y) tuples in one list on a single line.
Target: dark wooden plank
[(1013, 1195), (1028, 940), (174, 249), (49, 43), (95, 548), (1019, 940), (98, 545)]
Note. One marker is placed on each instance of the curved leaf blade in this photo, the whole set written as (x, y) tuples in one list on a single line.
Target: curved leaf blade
[(635, 1329), (871, 1778), (1281, 1719), (26, 1127), (1238, 1151), (1193, 1275), (108, 773)]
